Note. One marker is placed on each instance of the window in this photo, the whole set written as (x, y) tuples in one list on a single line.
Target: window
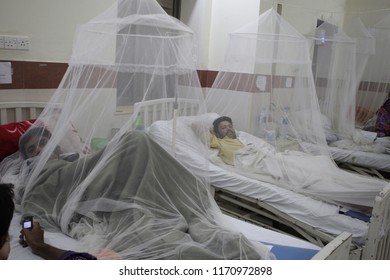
[(172, 7)]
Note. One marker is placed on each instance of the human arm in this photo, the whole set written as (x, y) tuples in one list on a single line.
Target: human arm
[(205, 134), (34, 238)]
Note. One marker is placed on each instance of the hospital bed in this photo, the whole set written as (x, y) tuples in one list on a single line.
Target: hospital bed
[(19, 111), (269, 205), (363, 154), (284, 246), (365, 163)]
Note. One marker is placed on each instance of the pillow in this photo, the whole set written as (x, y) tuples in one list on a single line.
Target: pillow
[(10, 134), (205, 120), (186, 137), (202, 124)]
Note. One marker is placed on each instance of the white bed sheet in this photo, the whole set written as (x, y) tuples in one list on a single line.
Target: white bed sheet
[(56, 239), (252, 232), (364, 149), (377, 161), (309, 210)]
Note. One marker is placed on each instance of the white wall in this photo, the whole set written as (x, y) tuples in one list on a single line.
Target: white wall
[(50, 25), (197, 15), (303, 14), (228, 16), (370, 11), (212, 20)]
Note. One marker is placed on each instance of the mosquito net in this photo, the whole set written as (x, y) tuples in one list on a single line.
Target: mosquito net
[(365, 47), (268, 69), (267, 88), (340, 62), (334, 70), (88, 169), (374, 88)]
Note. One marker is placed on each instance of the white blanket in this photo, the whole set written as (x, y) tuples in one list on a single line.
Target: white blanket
[(314, 175), (364, 141)]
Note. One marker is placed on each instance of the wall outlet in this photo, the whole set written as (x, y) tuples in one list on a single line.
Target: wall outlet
[(10, 42), (23, 43), (14, 42)]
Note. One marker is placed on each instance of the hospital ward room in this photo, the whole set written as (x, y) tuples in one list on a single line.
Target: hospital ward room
[(195, 130)]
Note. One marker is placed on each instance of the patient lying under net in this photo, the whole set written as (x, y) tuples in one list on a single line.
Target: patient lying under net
[(134, 199), (317, 176), (380, 121)]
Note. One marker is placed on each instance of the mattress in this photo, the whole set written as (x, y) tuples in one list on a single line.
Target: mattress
[(378, 161), (56, 239), (283, 246)]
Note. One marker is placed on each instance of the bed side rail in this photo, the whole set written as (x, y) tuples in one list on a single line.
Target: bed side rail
[(337, 249), (164, 109), (263, 214), (20, 111), (377, 246)]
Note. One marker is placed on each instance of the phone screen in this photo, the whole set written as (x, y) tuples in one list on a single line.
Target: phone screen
[(28, 223)]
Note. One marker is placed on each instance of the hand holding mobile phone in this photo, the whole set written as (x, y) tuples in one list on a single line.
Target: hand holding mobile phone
[(28, 222)]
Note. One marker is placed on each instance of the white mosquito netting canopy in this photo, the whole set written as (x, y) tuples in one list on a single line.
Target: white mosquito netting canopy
[(85, 170), (267, 68), (334, 70), (365, 48), (375, 81), (266, 87), (340, 57)]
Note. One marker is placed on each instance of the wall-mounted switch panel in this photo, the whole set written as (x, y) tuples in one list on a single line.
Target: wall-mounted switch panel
[(14, 42)]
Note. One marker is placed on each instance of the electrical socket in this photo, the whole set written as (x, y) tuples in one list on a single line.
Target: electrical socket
[(10, 42), (23, 43)]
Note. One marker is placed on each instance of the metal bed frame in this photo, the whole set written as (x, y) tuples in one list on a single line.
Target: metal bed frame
[(377, 246)]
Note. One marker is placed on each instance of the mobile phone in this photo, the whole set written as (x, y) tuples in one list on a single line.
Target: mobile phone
[(28, 222), (70, 156)]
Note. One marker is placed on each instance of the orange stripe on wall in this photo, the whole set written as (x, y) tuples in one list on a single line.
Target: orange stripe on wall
[(35, 75), (48, 75)]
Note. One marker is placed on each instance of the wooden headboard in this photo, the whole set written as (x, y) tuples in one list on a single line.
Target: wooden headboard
[(20, 111)]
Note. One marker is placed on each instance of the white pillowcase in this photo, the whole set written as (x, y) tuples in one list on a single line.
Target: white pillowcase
[(205, 120)]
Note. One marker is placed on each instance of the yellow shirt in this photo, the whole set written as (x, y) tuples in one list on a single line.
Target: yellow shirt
[(226, 147)]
